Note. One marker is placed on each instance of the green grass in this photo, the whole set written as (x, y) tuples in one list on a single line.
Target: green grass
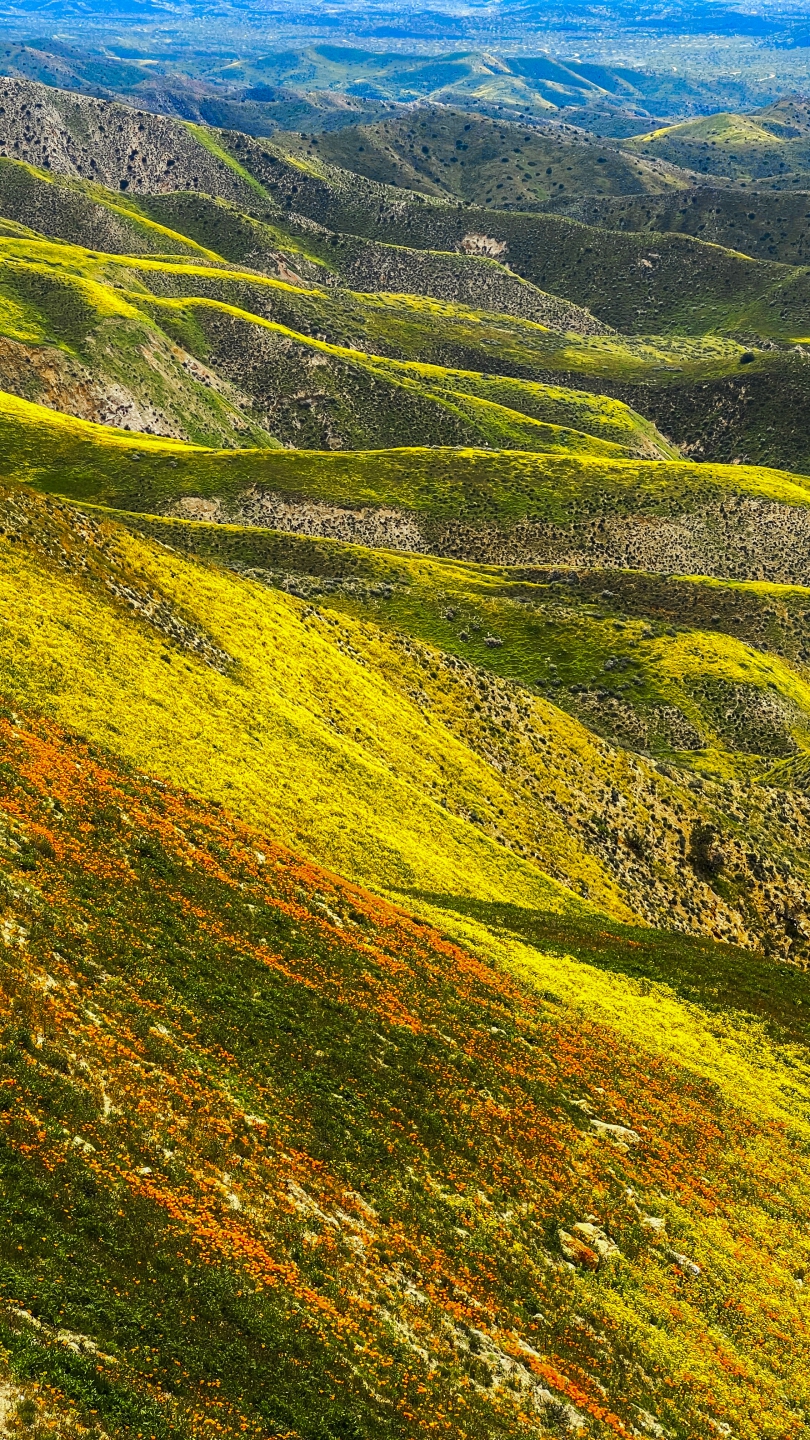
[(94, 463), (638, 283), (85, 213), (68, 296), (208, 140), (726, 144), (762, 225), (370, 401), (455, 155), (282, 244)]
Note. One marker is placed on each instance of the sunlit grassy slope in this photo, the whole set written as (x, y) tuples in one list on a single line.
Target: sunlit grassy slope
[(738, 146), (306, 365), (95, 463), (632, 283), (683, 666), (637, 284), (55, 205), (719, 398), (305, 738), (390, 755), (278, 1159), (82, 213), (123, 338), (324, 256)]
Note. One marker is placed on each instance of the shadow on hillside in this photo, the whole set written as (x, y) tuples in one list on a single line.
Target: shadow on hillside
[(715, 976)]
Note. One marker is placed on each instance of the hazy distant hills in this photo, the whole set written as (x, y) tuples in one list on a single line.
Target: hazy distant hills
[(324, 87)]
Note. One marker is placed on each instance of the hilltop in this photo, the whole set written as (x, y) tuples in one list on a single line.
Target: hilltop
[(315, 285), (755, 148)]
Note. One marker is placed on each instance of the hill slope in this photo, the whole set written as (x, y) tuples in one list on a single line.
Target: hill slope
[(86, 214), (405, 760), (378, 757), (625, 282), (474, 504), (205, 353), (737, 146), (192, 1004), (764, 226), (454, 155)]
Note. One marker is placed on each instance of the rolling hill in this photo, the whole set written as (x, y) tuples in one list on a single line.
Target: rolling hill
[(209, 352), (755, 148), (194, 1002), (404, 777), (758, 225), (508, 262), (269, 180), (455, 155)]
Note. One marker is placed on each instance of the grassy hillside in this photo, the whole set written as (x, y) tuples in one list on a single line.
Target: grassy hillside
[(331, 397), (84, 213), (327, 257), (214, 376), (90, 462), (114, 145), (736, 521), (378, 759), (738, 146), (405, 804), (611, 278), (223, 363), (627, 283), (455, 155), (177, 1073), (752, 413), (652, 662), (627, 280), (398, 325), (234, 1164), (74, 344), (767, 227)]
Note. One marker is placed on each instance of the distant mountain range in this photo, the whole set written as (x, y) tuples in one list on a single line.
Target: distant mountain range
[(326, 87)]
